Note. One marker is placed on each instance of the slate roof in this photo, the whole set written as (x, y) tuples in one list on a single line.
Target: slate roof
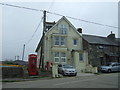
[(101, 40)]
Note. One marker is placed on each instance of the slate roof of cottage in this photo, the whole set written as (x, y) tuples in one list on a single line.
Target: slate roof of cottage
[(101, 40)]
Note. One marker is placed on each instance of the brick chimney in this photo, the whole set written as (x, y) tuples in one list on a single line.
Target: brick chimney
[(79, 30), (111, 36)]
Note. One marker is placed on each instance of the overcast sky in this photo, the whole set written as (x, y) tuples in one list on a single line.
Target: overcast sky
[(20, 24)]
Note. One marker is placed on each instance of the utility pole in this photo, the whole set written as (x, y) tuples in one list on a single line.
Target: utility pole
[(42, 46), (17, 57), (23, 52)]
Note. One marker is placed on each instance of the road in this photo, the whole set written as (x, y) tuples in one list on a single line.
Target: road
[(94, 81)]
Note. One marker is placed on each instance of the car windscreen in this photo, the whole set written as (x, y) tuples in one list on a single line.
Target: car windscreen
[(67, 66)]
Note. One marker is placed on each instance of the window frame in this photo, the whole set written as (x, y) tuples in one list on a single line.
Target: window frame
[(63, 57), (63, 29), (54, 40), (74, 42), (62, 42), (81, 57), (56, 57)]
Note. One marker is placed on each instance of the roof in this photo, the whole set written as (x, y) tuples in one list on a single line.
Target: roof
[(101, 40)]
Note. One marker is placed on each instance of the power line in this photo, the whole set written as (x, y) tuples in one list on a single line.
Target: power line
[(60, 15), (21, 7), (35, 31), (83, 20)]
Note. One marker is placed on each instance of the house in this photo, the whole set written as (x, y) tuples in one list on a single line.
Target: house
[(102, 50), (61, 43)]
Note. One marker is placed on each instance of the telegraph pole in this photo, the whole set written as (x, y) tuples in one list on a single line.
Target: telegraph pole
[(23, 52), (42, 45)]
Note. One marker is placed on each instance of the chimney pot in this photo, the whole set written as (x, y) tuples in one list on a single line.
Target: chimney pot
[(79, 30)]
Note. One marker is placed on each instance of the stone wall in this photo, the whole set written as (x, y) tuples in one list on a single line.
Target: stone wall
[(12, 72), (97, 53)]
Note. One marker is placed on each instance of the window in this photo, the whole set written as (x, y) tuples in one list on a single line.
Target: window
[(63, 57), (81, 57), (56, 57), (75, 41), (63, 41), (56, 40), (63, 29), (59, 40)]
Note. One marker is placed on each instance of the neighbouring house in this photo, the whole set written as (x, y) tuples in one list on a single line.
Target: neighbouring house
[(102, 50), (62, 44)]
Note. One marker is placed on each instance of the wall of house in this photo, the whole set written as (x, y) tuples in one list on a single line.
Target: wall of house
[(38, 57), (69, 42), (96, 55), (80, 65)]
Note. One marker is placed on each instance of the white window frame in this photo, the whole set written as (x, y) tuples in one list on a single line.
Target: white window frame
[(63, 29), (56, 41), (63, 57), (57, 57), (59, 41), (64, 41)]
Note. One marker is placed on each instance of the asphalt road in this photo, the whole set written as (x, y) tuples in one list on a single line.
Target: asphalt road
[(94, 81)]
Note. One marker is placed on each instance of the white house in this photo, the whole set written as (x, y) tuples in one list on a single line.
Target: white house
[(62, 44)]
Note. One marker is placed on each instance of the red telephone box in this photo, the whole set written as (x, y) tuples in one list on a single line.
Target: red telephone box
[(32, 64)]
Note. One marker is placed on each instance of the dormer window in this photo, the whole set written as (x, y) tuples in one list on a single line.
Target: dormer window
[(63, 29)]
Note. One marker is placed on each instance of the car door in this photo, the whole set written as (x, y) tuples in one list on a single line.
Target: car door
[(115, 67)]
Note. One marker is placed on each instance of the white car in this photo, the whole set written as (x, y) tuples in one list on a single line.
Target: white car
[(66, 69), (111, 67)]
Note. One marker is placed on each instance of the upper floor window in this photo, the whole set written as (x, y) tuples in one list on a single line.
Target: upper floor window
[(63, 29), (63, 41), (75, 41), (56, 40)]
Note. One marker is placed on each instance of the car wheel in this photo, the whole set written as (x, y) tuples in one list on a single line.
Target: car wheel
[(109, 70)]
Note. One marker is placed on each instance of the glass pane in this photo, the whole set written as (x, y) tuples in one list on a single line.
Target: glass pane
[(75, 41), (63, 29), (56, 54), (63, 41), (81, 57), (63, 59), (56, 40), (62, 54), (56, 59)]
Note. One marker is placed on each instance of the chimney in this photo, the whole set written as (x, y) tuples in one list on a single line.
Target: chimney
[(79, 30), (111, 36)]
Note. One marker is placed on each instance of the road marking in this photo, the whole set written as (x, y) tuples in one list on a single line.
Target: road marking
[(74, 81)]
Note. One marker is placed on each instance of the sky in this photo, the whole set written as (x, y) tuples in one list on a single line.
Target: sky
[(18, 25)]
